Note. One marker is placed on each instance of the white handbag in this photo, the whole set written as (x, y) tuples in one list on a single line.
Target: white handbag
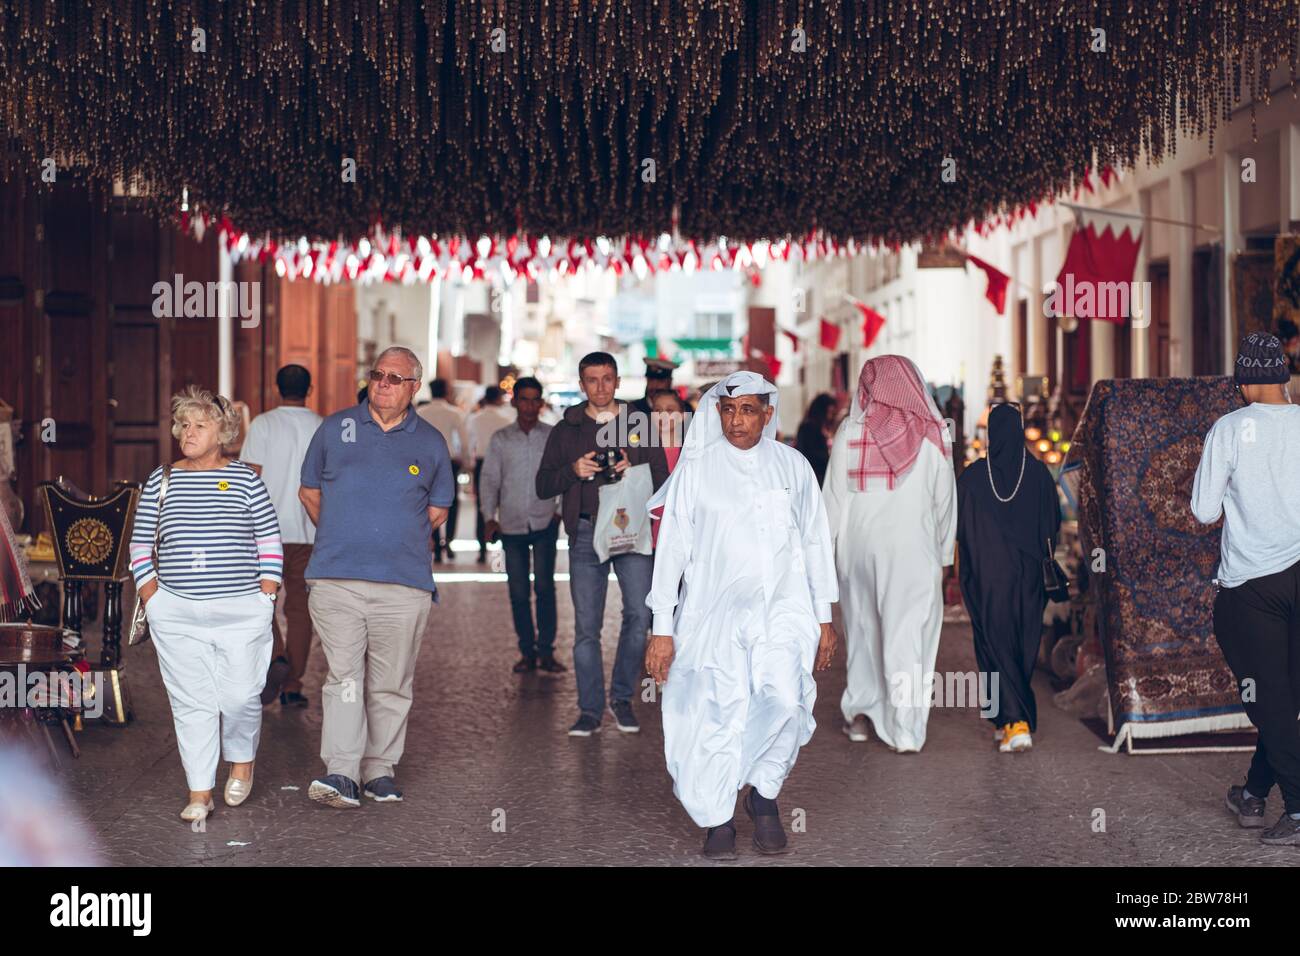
[(139, 620), (622, 523)]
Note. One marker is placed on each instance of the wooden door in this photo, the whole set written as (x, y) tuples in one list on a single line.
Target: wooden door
[(1207, 326), (300, 333), (337, 375), (1053, 371), (1158, 332), (1123, 333), (16, 355), (70, 340), (138, 436), (1022, 337)]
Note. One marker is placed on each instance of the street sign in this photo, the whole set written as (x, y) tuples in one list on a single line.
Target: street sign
[(717, 368)]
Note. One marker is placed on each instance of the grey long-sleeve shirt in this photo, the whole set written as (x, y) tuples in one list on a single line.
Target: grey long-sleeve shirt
[(1249, 469), (507, 485)]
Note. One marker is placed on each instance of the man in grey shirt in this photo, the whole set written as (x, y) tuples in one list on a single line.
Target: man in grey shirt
[(524, 522), (1247, 475)]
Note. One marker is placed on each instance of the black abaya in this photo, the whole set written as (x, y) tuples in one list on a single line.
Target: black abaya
[(1001, 568)]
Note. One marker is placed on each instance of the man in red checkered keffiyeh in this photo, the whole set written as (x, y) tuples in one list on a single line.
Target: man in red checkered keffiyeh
[(891, 546), (897, 415)]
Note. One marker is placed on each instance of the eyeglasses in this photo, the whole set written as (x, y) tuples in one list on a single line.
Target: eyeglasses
[(392, 378)]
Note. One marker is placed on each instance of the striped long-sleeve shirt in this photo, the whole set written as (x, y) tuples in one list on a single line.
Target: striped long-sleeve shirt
[(219, 535)]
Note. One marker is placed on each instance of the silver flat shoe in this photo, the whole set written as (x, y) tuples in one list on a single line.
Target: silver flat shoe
[(197, 811), (237, 790)]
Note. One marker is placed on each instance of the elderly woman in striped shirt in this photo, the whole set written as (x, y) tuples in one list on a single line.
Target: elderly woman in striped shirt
[(211, 596)]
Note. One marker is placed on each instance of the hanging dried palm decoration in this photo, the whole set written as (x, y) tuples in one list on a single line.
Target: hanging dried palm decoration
[(753, 118)]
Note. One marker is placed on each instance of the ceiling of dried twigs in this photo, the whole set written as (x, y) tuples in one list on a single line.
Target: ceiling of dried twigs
[(762, 118)]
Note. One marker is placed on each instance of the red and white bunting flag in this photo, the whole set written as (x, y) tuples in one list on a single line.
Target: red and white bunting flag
[(829, 335), (1095, 281), (872, 322), (996, 292)]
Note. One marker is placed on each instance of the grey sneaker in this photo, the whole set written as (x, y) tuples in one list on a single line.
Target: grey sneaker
[(586, 726), (335, 790), (1286, 832), (1248, 810), (383, 790), (857, 730), (623, 716)]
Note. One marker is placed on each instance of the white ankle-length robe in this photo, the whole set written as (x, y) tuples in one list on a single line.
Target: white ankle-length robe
[(890, 550), (747, 531)]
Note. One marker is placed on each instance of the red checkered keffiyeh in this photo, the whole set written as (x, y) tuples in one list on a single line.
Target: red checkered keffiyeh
[(897, 415)]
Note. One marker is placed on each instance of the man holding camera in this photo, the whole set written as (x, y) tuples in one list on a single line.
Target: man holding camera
[(576, 463)]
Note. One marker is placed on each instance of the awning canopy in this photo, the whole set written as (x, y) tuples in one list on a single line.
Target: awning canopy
[(881, 121)]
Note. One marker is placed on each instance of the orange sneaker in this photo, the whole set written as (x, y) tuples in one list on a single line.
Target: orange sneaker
[(1015, 738)]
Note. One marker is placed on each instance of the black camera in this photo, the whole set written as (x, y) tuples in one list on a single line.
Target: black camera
[(607, 458)]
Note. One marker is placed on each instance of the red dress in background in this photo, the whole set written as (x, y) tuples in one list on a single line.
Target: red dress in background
[(672, 454)]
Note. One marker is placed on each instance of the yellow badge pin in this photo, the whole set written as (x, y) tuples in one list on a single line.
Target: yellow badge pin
[(414, 469)]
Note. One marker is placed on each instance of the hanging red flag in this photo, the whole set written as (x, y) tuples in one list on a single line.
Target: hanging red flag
[(1096, 279), (998, 283), (794, 339), (872, 323), (773, 364), (830, 335)]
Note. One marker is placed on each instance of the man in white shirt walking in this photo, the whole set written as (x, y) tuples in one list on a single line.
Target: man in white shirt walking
[(482, 425), (450, 422), (526, 523), (1247, 475), (744, 526), (274, 448)]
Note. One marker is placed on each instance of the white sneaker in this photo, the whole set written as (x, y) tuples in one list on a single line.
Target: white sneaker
[(857, 730)]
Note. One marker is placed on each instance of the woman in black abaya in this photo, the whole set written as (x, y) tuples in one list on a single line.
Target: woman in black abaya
[(1007, 518)]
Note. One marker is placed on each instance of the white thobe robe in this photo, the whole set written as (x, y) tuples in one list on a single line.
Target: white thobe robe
[(747, 531), (890, 550)]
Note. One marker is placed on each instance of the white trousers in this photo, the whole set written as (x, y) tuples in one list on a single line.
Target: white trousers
[(213, 655), (737, 717)]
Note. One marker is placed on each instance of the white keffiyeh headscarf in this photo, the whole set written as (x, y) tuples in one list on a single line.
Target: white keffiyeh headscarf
[(706, 423)]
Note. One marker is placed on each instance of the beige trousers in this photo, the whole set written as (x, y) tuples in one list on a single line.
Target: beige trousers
[(370, 634)]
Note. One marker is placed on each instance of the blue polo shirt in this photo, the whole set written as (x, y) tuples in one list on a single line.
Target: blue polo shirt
[(376, 487)]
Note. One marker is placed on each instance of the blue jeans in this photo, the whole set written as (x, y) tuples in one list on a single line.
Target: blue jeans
[(540, 643), (588, 582)]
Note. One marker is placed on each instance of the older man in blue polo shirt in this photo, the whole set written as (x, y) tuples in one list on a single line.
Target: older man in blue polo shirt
[(376, 480)]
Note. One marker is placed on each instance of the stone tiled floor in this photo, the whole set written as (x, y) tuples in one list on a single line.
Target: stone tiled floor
[(488, 747)]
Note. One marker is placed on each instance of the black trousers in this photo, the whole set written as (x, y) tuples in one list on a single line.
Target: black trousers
[(442, 538), (480, 525), (1257, 625)]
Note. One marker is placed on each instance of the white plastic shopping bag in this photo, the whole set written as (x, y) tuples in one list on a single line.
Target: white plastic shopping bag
[(622, 524)]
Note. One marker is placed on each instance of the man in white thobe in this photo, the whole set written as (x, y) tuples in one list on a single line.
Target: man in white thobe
[(892, 506), (743, 524)]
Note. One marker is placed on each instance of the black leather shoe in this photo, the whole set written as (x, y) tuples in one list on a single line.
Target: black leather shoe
[(720, 842), (551, 665), (769, 834), (525, 665), (292, 699)]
